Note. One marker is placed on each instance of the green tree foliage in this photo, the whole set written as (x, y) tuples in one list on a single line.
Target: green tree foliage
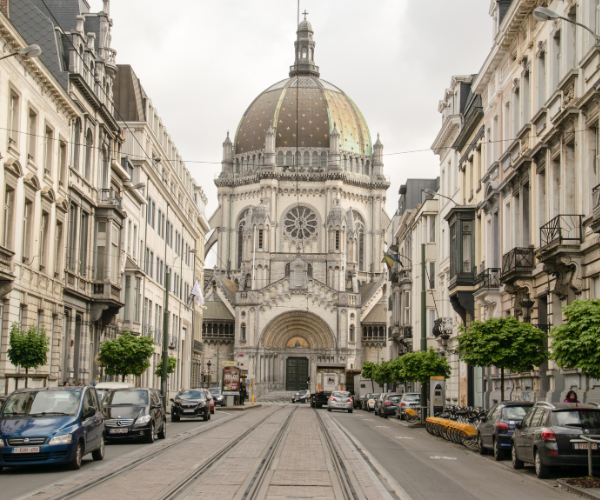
[(576, 343), (420, 366), (172, 363), (126, 355), (28, 349), (383, 373), (505, 343), (367, 371)]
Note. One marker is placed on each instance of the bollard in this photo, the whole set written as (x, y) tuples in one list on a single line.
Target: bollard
[(252, 398)]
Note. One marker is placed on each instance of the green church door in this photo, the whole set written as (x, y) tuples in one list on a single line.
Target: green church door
[(296, 374)]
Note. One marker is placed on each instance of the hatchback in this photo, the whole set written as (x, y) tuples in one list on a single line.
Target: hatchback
[(548, 436), (54, 425), (190, 403), (388, 403), (497, 427), (409, 400), (134, 413), (340, 401)]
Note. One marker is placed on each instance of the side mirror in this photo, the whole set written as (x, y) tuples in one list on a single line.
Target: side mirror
[(518, 425), (90, 412)]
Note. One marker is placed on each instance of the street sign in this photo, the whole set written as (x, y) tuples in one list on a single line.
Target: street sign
[(230, 363)]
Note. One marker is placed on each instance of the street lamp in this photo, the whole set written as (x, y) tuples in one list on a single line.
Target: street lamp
[(544, 14), (27, 52), (209, 364), (431, 192)]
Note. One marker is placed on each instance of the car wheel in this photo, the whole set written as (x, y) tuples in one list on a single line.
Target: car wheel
[(385, 415), (349, 411), (498, 453), (516, 463), (99, 453), (163, 430), (482, 449), (150, 435), (175, 418), (328, 409), (206, 416), (542, 471), (212, 412), (75, 464)]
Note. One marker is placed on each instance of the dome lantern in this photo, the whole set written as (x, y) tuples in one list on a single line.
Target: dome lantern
[(305, 51)]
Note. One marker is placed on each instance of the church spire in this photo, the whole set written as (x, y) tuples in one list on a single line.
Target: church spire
[(304, 62)]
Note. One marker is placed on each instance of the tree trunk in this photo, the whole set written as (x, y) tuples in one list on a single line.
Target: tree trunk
[(26, 377), (501, 384), (123, 378)]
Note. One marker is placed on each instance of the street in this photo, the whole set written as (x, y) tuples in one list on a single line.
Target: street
[(285, 451)]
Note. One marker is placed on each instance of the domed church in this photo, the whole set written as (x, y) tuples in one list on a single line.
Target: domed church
[(299, 282)]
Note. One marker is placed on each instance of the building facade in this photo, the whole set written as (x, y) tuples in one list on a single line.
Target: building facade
[(300, 231)]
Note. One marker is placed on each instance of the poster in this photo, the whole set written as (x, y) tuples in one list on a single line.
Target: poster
[(231, 381)]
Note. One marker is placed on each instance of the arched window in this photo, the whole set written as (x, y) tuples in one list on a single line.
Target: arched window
[(315, 159), (344, 163), (306, 159), (243, 332), (77, 145), (288, 159), (298, 159), (253, 162), (280, 159), (240, 243), (287, 269), (237, 165), (359, 223), (309, 271), (367, 168), (89, 148), (323, 159), (105, 173), (352, 334)]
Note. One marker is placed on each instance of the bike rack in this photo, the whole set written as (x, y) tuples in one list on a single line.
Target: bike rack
[(589, 440)]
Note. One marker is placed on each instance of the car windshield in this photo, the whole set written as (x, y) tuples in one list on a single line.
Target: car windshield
[(41, 403), (191, 395), (374, 396), (303, 393), (395, 398), (341, 395), (514, 412), (586, 419), (412, 398), (127, 397)]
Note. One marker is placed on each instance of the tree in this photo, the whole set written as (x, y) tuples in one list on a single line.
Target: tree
[(383, 373), (420, 366), (171, 364), (126, 355), (576, 343), (28, 349), (505, 343), (367, 372)]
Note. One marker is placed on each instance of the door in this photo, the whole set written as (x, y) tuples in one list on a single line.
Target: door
[(296, 374), (526, 441), (91, 434)]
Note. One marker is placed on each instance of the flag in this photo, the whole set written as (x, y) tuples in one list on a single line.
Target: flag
[(197, 293), (396, 258), (388, 260)]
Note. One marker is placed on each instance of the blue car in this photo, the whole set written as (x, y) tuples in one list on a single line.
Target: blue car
[(497, 428), (55, 425)]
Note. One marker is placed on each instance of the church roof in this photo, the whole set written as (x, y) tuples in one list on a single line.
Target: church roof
[(377, 314), (366, 288), (216, 310), (304, 106), (231, 285)]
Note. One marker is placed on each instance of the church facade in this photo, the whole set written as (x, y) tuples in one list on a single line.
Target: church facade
[(299, 235)]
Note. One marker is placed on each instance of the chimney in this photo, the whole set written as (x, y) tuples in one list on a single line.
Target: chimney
[(4, 7)]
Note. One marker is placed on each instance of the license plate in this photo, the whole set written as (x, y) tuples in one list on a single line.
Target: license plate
[(188, 411), (118, 431), (584, 446), (23, 449)]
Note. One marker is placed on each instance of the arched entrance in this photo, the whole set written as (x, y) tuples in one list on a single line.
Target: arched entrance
[(297, 337)]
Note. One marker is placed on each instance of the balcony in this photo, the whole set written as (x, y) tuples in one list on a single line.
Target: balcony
[(110, 197), (517, 263), (489, 278), (563, 229), (406, 332), (7, 275), (596, 200)]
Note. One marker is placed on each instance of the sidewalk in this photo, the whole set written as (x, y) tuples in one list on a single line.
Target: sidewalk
[(592, 493)]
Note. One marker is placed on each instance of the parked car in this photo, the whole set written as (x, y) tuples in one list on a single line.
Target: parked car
[(211, 401), (301, 397), (53, 425), (362, 402), (103, 387), (340, 400), (371, 400), (388, 404), (408, 400), (190, 403), (378, 402), (217, 396), (548, 436), (496, 429), (134, 413)]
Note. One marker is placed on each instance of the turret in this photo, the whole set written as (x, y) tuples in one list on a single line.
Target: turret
[(269, 157), (304, 62), (227, 162), (334, 150), (378, 158)]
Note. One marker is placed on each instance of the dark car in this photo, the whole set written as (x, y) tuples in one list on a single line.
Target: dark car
[(496, 429), (134, 413), (54, 425), (190, 403), (217, 396), (548, 436), (388, 404), (211, 401)]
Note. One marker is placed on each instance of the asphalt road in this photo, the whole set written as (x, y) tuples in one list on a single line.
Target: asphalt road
[(428, 467), (18, 481)]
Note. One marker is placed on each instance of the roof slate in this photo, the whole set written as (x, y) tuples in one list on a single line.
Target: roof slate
[(65, 12), (365, 289), (377, 314)]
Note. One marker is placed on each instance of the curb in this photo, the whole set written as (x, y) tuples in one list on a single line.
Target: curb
[(582, 492)]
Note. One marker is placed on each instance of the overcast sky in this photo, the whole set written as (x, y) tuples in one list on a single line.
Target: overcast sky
[(203, 62)]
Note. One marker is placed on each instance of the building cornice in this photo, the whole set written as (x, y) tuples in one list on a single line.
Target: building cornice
[(447, 134)]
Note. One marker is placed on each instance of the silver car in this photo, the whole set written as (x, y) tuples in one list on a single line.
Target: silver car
[(340, 401)]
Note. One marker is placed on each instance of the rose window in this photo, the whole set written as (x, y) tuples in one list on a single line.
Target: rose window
[(300, 222)]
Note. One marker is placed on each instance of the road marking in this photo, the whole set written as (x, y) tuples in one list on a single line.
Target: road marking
[(402, 437), (443, 458), (382, 426)]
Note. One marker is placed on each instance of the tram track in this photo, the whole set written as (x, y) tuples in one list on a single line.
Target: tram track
[(79, 490)]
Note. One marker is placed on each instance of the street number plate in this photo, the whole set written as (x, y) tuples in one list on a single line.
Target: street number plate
[(30, 449), (584, 446), (118, 431)]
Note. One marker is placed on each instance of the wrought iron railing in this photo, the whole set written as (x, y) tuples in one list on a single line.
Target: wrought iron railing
[(518, 259), (406, 332), (560, 229), (110, 196), (489, 278)]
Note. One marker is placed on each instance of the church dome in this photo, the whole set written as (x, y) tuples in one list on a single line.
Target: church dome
[(317, 103)]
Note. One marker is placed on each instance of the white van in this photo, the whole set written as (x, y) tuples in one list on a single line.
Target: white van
[(103, 387)]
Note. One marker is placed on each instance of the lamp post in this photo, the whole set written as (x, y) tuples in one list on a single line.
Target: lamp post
[(431, 192), (544, 14), (28, 52), (208, 364)]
